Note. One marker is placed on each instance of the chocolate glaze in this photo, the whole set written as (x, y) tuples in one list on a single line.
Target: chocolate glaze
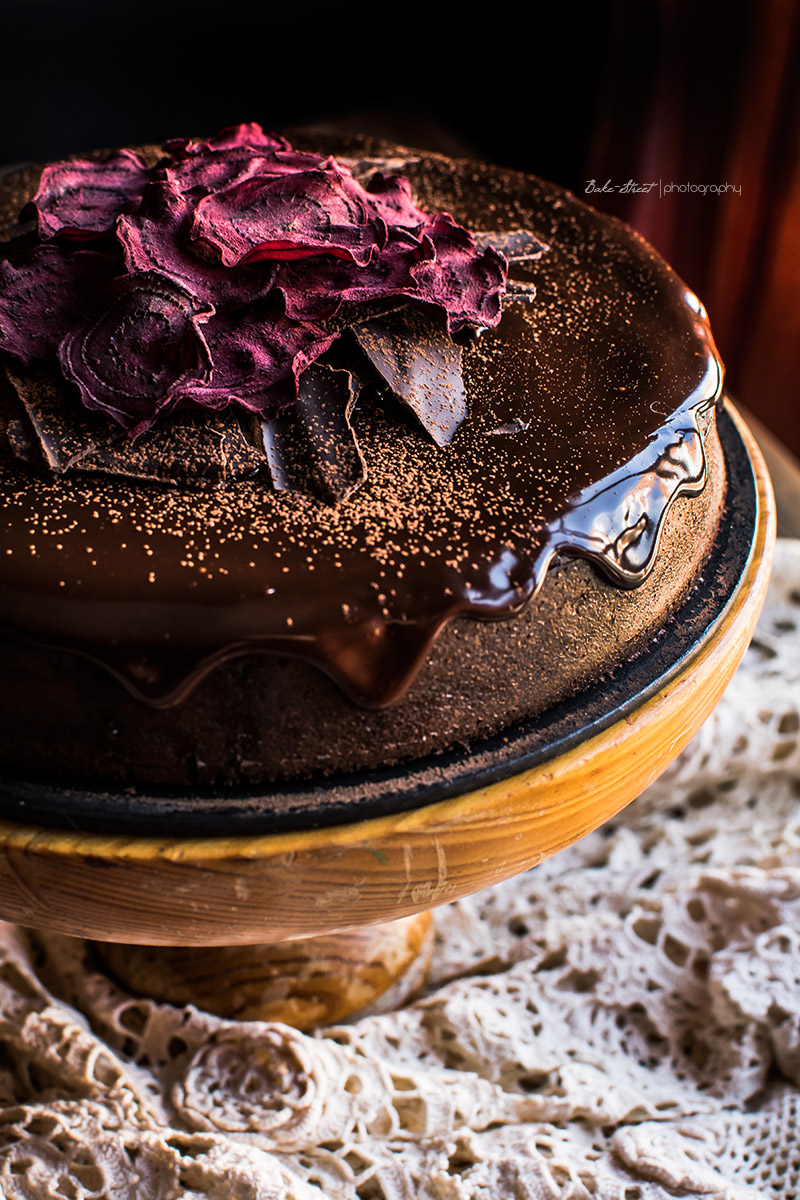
[(587, 404)]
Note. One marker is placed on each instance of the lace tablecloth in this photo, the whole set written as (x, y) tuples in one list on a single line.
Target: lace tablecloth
[(623, 1021)]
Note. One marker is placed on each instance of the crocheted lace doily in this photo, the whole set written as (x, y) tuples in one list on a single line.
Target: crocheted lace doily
[(623, 1021)]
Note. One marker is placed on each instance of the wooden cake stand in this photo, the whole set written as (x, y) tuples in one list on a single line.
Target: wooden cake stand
[(217, 918)]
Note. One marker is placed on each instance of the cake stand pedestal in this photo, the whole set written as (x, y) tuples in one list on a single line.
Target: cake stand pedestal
[(256, 897)]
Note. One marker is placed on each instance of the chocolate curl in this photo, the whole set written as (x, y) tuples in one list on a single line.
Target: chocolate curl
[(467, 284), (258, 358), (83, 199), (289, 216), (311, 447), (134, 360), (422, 366), (157, 238), (44, 297)]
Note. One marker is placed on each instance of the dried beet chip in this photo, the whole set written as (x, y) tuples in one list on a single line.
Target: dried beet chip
[(258, 358), (467, 284), (157, 238), (289, 216), (211, 171), (422, 366), (392, 199), (44, 297), (133, 361), (249, 135), (311, 446), (314, 288), (84, 199)]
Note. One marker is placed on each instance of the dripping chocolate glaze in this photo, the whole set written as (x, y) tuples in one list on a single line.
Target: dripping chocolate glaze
[(587, 410)]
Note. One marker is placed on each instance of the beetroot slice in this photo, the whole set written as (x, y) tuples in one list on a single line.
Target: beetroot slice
[(258, 359), (83, 199), (466, 283), (391, 197), (290, 216), (314, 288), (157, 238), (249, 134), (43, 298), (132, 362)]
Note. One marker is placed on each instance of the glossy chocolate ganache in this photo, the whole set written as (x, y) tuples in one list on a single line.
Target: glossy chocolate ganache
[(207, 573)]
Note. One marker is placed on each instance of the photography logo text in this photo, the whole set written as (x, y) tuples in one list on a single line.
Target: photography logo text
[(633, 188)]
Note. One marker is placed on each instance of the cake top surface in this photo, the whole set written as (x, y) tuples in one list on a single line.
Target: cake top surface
[(572, 421)]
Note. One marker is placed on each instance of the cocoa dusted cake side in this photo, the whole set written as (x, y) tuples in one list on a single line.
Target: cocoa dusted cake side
[(454, 518)]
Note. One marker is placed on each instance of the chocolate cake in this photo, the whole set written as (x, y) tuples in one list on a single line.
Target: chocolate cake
[(318, 464)]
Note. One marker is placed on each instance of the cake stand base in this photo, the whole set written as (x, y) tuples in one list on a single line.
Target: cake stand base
[(305, 983)]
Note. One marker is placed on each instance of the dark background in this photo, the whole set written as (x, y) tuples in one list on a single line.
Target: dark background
[(697, 91)]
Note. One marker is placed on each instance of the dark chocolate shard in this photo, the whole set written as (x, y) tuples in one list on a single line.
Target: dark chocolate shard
[(517, 246), (16, 433), (422, 366), (191, 448), (525, 288), (311, 446), (83, 199), (65, 433), (515, 425)]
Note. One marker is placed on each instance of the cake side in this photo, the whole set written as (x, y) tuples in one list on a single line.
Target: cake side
[(261, 717), (590, 429)]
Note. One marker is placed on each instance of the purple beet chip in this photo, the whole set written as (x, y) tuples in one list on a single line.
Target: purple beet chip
[(290, 216), (133, 361), (249, 134), (258, 358), (83, 199), (157, 238), (466, 283), (44, 297)]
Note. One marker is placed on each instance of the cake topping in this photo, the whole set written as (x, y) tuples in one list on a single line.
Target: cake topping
[(216, 277), (141, 354), (83, 199)]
